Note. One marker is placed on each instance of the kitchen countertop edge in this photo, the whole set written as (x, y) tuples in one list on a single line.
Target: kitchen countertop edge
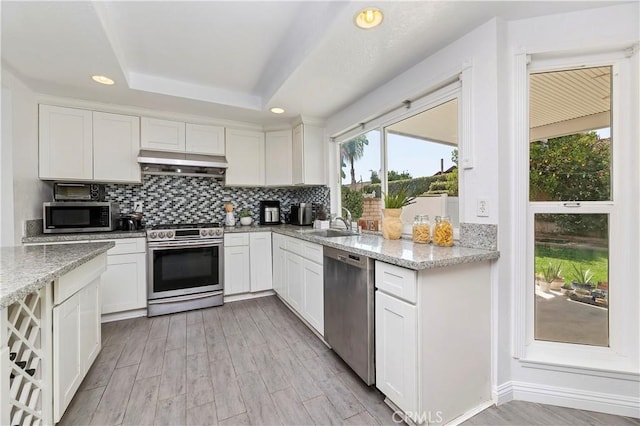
[(446, 256), (62, 259), (89, 236)]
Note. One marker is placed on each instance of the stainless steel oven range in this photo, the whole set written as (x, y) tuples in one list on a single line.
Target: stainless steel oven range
[(184, 268)]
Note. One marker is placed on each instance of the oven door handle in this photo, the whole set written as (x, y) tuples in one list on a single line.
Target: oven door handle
[(183, 245)]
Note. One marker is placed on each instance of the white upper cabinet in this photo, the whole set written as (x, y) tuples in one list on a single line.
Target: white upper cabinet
[(116, 143), (66, 147), (162, 135), (202, 139), (308, 155), (278, 158), (81, 145), (246, 155)]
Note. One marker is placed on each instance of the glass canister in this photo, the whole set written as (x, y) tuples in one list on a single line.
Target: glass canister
[(421, 229), (443, 232)]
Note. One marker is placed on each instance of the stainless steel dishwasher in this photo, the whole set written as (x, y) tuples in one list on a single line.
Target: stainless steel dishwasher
[(349, 309)]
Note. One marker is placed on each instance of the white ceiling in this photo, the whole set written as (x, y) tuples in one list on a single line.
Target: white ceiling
[(234, 59)]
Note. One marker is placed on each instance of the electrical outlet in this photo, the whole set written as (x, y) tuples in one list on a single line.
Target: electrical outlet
[(137, 206), (483, 208)]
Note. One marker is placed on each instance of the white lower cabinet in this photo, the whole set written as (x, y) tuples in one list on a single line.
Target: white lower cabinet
[(298, 278), (247, 262), (313, 293), (279, 265), (76, 329), (433, 339), (66, 345), (396, 362), (295, 277), (123, 284), (237, 277), (260, 261)]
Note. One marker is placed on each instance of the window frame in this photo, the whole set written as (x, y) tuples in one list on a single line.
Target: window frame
[(425, 103), (622, 353)]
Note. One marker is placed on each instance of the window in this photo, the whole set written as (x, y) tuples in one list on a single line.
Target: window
[(570, 172), (416, 150)]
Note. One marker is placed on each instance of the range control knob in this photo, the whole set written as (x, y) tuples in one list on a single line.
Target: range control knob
[(203, 233), (218, 232), (153, 235), (170, 234), (210, 233), (160, 234)]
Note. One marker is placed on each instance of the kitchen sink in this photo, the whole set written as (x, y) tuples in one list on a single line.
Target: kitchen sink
[(328, 233)]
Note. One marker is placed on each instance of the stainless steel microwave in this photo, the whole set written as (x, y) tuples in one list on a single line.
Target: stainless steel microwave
[(71, 216)]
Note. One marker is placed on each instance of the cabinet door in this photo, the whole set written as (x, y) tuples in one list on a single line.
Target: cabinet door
[(116, 143), (203, 139), (245, 154), (295, 280), (67, 363), (396, 351), (279, 266), (313, 162), (162, 135), (90, 342), (297, 166), (278, 158), (260, 256), (236, 270), (65, 143), (313, 293), (123, 284)]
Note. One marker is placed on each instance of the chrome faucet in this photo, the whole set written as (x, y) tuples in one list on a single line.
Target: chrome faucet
[(347, 220)]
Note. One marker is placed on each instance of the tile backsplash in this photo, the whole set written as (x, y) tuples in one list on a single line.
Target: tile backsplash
[(187, 199)]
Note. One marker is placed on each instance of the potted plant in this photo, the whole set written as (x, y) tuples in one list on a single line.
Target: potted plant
[(552, 275), (581, 278), (567, 289), (245, 217), (393, 204)]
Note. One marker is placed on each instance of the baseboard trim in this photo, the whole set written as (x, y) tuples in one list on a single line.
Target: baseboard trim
[(117, 316), (619, 405), (247, 296)]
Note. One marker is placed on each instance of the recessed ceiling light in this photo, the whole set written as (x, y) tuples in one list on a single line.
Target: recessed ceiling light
[(368, 18), (276, 110), (102, 79)]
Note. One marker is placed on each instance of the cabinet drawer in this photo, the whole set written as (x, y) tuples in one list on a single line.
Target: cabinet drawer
[(127, 246), (294, 245), (312, 252), (396, 281), (74, 281), (234, 240)]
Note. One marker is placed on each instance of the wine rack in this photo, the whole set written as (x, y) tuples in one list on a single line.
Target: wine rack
[(26, 354)]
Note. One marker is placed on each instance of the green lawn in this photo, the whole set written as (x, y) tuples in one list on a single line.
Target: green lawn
[(594, 260)]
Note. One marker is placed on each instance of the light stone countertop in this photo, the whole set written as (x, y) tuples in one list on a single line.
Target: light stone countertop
[(82, 236), (25, 269), (401, 252)]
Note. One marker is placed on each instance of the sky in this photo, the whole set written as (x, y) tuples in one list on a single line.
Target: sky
[(418, 157)]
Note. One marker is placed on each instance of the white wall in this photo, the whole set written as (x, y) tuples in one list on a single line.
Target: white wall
[(29, 191), (6, 173)]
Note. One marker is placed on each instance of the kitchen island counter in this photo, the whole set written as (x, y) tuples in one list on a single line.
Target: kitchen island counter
[(82, 236), (26, 269)]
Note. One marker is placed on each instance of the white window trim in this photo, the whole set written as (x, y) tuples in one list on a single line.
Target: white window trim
[(623, 354), (445, 94)]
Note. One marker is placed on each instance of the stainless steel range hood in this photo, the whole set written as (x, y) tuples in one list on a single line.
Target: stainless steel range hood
[(181, 164)]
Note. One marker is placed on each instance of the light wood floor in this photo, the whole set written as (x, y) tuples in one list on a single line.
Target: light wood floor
[(247, 363)]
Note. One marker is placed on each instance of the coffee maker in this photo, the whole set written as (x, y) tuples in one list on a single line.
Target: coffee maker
[(269, 212)]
